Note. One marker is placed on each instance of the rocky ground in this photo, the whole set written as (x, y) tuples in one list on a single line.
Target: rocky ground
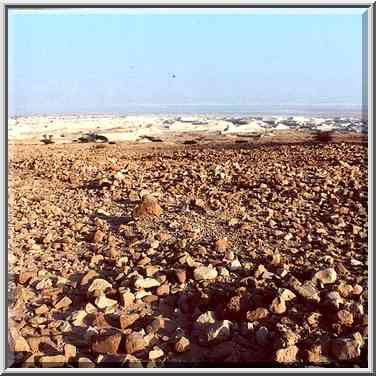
[(186, 256)]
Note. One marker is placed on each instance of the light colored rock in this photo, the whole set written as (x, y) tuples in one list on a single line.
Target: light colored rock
[(63, 303), (286, 355), (99, 286), (146, 283), (286, 294), (278, 306), (103, 302), (219, 331), (235, 265), (182, 345), (326, 276), (205, 273), (156, 353)]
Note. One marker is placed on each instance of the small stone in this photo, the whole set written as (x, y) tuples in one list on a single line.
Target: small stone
[(262, 336), (41, 310), (89, 308), (326, 276), (99, 286), (44, 284), (181, 275), (146, 283), (345, 349), (220, 245), (150, 270), (52, 361), (156, 353), (127, 299), (355, 262), (134, 342), (106, 344), (126, 320), (235, 265), (63, 303), (78, 318), (25, 277), (313, 319), (163, 290), (103, 302), (334, 299), (88, 277), (205, 273), (182, 345), (287, 355), (286, 294), (219, 331), (98, 236), (84, 362), (345, 290), (18, 343), (357, 290), (70, 351), (278, 306), (148, 207), (257, 314), (149, 299), (345, 317)]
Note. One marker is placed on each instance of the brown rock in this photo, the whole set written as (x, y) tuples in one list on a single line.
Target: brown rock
[(287, 355), (220, 245), (25, 277), (107, 344), (18, 342), (181, 275), (134, 342), (100, 321), (150, 299), (163, 290), (98, 236), (127, 299), (257, 314), (127, 320), (345, 317), (41, 310), (345, 348), (63, 303), (148, 207)]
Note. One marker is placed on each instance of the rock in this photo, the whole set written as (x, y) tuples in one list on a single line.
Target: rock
[(156, 353), (345, 317), (278, 306), (52, 361), (148, 207), (89, 308), (308, 291), (345, 290), (287, 355), (357, 290), (42, 310), (106, 344), (333, 299), (355, 262), (146, 283), (134, 342), (181, 275), (84, 362), (235, 265), (205, 273), (313, 319), (88, 277), (257, 314), (219, 331), (262, 336), (63, 303), (182, 345), (103, 302), (99, 286), (220, 245), (127, 299), (345, 349), (98, 236), (286, 294), (18, 342), (163, 290), (78, 318), (150, 270), (25, 277), (100, 321), (127, 320), (70, 351), (326, 276)]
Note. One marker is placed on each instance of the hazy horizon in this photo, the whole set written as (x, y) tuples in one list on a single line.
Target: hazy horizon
[(102, 61)]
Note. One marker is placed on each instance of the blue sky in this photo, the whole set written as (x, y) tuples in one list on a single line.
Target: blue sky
[(69, 61)]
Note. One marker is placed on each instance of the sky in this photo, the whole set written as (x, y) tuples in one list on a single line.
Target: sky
[(108, 61)]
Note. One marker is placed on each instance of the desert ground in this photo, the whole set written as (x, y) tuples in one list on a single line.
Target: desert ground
[(196, 249)]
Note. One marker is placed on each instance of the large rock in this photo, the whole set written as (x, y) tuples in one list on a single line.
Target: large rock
[(148, 207), (99, 286), (146, 283), (286, 355), (345, 348), (106, 344), (326, 276), (134, 342)]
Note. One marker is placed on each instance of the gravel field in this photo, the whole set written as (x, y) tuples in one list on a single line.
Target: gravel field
[(224, 253)]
